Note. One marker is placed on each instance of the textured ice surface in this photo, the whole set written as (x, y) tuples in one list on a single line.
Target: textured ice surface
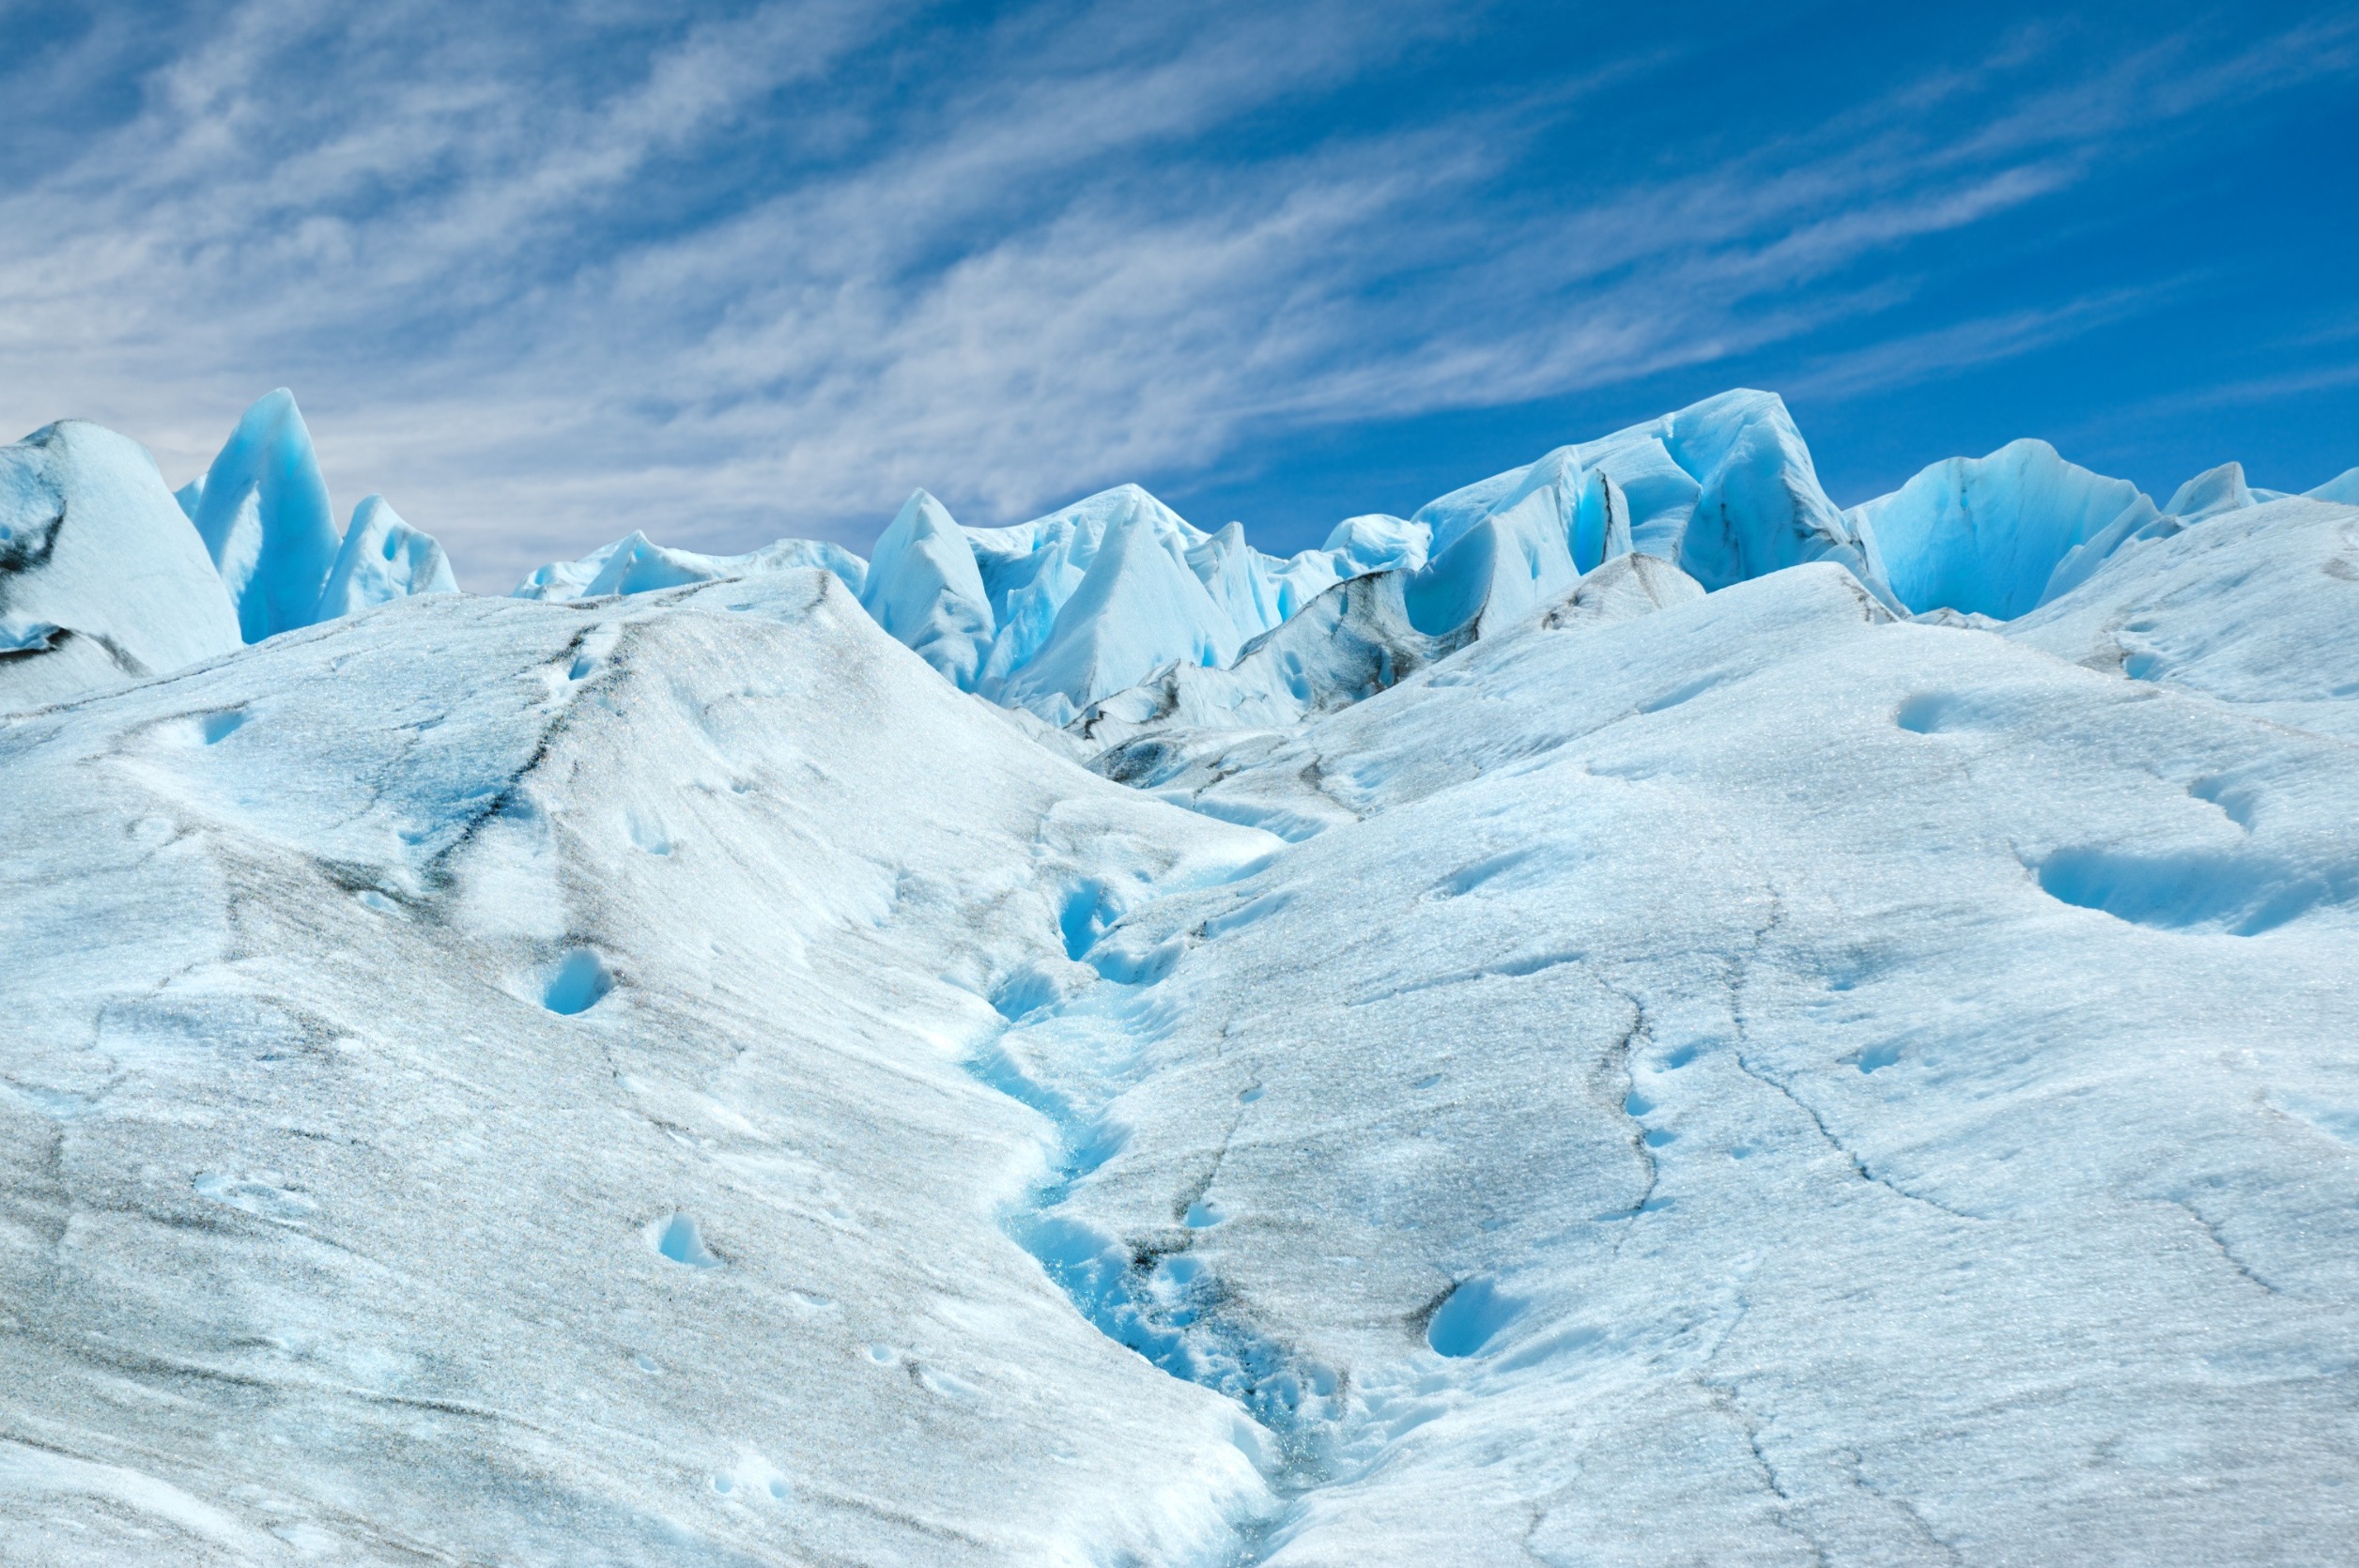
[(1659, 1076), (1097, 596), (1350, 643), (1777, 1084), (1353, 641), (512, 1081), (1107, 593), (101, 579), (1725, 489), (2255, 607)]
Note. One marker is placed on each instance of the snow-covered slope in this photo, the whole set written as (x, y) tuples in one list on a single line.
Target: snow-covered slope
[(484, 1082), (100, 578), (1776, 1085), (2252, 606)]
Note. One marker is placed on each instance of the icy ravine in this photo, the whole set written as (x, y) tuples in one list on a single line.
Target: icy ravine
[(1785, 1102), (1308, 1430)]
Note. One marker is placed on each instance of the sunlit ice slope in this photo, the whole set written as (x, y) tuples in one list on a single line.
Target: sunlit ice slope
[(483, 1082), (1759, 1082)]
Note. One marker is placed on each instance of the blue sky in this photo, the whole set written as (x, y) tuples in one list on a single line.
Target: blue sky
[(544, 275)]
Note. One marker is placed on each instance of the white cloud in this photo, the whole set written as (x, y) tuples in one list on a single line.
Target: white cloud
[(765, 273)]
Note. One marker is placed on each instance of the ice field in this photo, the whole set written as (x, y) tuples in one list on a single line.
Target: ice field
[(1636, 1016)]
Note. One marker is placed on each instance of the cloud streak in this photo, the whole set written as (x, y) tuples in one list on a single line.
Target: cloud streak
[(545, 280)]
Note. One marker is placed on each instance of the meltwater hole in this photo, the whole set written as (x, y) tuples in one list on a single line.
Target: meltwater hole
[(1472, 1317), (1927, 713), (580, 982), (678, 1240), (216, 727)]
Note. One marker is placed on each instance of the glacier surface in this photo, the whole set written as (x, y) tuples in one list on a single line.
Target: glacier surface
[(1634, 1015)]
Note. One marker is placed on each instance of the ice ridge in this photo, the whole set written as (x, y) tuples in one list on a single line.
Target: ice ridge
[(636, 564), (1094, 603)]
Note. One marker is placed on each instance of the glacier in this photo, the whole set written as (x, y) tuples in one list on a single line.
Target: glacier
[(1057, 614), (1632, 1016)]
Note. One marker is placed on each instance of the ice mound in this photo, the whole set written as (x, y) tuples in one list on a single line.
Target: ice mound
[(100, 578), (1622, 588), (923, 588), (382, 558), (1354, 640), (1098, 596), (2210, 493), (1725, 489), (1135, 602), (1101, 596), (1049, 615), (263, 513), (1350, 643), (636, 564)]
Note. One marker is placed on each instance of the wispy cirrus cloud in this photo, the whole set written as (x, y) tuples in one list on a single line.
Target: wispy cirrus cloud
[(544, 278)]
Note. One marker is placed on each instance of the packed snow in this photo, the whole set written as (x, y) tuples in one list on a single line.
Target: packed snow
[(1633, 1015)]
